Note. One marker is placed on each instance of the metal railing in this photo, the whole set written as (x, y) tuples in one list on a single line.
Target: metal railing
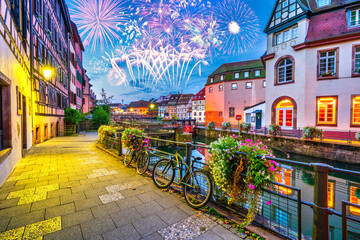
[(283, 198)]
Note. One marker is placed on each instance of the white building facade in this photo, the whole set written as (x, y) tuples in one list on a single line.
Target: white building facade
[(198, 107)]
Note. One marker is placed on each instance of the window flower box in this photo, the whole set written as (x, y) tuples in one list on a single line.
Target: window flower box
[(327, 74)]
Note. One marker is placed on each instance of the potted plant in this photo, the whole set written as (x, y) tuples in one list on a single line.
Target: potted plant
[(274, 130), (211, 126), (242, 177), (357, 136), (327, 74), (245, 127), (130, 137), (312, 132), (226, 126)]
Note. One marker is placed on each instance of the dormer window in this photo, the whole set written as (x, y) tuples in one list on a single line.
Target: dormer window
[(221, 77), (286, 35), (355, 18), (211, 80), (323, 3), (246, 74), (237, 75), (257, 73)]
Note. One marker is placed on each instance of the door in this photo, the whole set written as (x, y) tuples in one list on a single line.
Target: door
[(258, 121), (24, 127), (284, 114)]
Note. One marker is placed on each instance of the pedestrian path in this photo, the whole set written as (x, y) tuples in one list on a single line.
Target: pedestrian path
[(66, 188)]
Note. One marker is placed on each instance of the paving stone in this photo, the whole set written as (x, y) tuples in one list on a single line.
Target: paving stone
[(153, 236), (149, 208), (82, 188), (76, 218), (172, 215), (126, 216), (128, 203), (27, 181), (127, 232), (105, 209), (87, 203), (15, 211), (89, 181), (208, 235), (224, 233), (168, 201), (149, 225), (97, 227), (186, 208), (4, 221), (72, 198), (58, 193), (25, 219), (95, 193), (148, 196), (73, 233), (111, 197), (9, 203), (59, 210)]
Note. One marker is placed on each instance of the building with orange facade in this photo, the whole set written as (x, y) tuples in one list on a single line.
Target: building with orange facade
[(138, 108), (231, 88)]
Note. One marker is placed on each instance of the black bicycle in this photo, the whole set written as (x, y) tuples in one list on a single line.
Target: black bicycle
[(197, 184), (140, 155)]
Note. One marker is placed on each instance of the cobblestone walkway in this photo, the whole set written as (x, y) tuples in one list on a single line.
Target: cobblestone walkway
[(65, 188)]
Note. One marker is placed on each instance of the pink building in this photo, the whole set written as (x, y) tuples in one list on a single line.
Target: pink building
[(313, 65), (231, 88), (86, 104)]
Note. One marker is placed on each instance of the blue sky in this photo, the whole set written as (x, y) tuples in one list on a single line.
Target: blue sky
[(100, 79)]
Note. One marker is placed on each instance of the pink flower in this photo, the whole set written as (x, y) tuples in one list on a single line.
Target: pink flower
[(273, 162), (288, 155), (272, 168), (235, 136), (268, 202), (252, 187)]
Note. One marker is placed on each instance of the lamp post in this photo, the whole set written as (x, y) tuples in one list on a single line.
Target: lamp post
[(131, 114), (47, 71)]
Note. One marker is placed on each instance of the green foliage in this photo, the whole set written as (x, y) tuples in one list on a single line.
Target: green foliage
[(358, 136), (228, 167), (245, 127), (274, 130), (308, 178), (211, 126), (103, 130), (100, 117), (312, 132), (226, 126), (73, 116), (130, 137)]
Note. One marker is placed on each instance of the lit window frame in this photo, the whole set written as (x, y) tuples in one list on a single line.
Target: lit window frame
[(331, 194), (332, 124), (353, 210), (353, 109)]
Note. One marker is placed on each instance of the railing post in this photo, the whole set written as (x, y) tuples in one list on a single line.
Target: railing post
[(188, 153), (344, 220), (107, 139), (321, 211), (120, 144)]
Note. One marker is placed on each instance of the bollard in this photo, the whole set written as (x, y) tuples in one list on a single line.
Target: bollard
[(120, 144), (321, 211)]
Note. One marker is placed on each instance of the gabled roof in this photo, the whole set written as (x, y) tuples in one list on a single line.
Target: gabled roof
[(200, 95), (76, 35), (237, 66), (139, 104), (184, 98)]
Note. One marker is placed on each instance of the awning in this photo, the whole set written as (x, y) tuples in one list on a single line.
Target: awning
[(257, 111)]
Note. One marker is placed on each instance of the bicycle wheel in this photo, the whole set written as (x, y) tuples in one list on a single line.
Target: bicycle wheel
[(128, 157), (163, 173), (197, 189), (142, 162)]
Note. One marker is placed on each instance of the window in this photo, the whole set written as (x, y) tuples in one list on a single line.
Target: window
[(327, 63), (355, 18), (211, 80), (237, 75), (285, 71), (234, 86), (220, 114), (248, 85), (210, 90), (246, 74), (292, 7), (248, 117), (286, 35), (355, 111), (199, 113), (354, 199), (326, 110), (231, 112), (220, 88), (257, 73), (221, 77), (194, 113), (357, 60), (323, 3), (264, 83), (284, 114), (285, 3), (331, 194)]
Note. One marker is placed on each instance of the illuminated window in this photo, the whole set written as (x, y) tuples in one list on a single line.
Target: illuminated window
[(264, 83), (220, 88), (285, 71), (221, 77), (331, 194), (234, 86), (357, 60), (211, 80), (326, 110), (284, 177), (354, 199), (355, 18), (327, 64), (356, 110), (284, 113), (248, 85)]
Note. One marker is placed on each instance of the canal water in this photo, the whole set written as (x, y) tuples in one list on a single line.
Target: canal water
[(340, 187)]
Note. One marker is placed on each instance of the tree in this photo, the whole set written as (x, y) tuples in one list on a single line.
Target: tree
[(104, 99), (73, 116), (100, 117)]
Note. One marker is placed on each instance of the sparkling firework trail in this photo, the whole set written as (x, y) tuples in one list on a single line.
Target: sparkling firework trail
[(97, 21)]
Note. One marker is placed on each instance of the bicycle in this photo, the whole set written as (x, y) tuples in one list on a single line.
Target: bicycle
[(197, 185), (140, 155)]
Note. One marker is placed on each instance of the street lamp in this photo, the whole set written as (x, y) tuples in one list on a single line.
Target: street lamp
[(47, 71), (131, 114), (152, 106)]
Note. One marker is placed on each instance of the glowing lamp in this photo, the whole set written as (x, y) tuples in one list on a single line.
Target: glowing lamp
[(47, 73), (131, 109), (152, 106)]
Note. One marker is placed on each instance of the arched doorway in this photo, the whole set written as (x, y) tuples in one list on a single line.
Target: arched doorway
[(284, 113)]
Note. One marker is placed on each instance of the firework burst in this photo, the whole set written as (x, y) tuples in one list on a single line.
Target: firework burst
[(97, 21), (238, 26)]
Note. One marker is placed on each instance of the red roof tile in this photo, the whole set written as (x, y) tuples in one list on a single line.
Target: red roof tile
[(200, 95), (328, 25)]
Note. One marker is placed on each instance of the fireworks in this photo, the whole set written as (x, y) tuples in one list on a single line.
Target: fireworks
[(162, 42), (97, 21)]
